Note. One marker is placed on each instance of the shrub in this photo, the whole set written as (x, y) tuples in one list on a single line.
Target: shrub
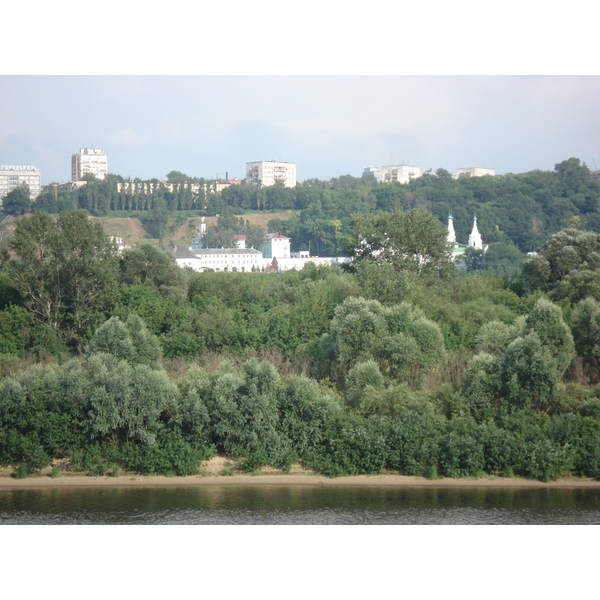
[(360, 376), (546, 460), (461, 455), (21, 472)]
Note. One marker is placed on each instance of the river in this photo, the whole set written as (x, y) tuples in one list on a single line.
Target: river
[(299, 505)]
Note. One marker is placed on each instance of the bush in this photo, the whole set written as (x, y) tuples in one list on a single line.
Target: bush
[(170, 453), (358, 446), (414, 442), (21, 472), (461, 455), (546, 460)]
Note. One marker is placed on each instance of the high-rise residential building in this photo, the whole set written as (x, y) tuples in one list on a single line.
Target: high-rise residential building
[(89, 160), (269, 172), (13, 176), (391, 173), (473, 172)]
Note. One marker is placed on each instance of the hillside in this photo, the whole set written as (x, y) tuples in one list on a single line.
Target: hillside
[(180, 229)]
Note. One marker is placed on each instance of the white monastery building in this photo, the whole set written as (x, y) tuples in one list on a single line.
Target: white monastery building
[(13, 176), (89, 160), (270, 172), (275, 245), (244, 260)]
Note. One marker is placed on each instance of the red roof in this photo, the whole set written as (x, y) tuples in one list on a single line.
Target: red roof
[(271, 236)]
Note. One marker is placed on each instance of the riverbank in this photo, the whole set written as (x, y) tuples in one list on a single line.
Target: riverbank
[(219, 471), (9, 483)]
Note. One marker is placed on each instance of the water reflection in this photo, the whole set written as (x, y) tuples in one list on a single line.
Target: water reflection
[(302, 505)]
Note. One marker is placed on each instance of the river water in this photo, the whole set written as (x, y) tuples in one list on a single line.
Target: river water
[(300, 505)]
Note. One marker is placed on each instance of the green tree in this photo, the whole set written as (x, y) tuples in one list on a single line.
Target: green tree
[(129, 341), (362, 375), (219, 238), (125, 401), (546, 321), (66, 271), (528, 375), (160, 218), (585, 326), (564, 263), (356, 328), (145, 264), (17, 202), (573, 176), (414, 241)]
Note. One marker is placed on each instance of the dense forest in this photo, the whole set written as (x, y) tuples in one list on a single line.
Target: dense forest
[(516, 213), (400, 362)]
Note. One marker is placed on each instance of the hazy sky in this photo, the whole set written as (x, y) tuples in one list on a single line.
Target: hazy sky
[(327, 125)]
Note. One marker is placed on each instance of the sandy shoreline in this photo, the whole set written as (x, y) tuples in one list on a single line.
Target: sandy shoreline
[(71, 481), (221, 471)]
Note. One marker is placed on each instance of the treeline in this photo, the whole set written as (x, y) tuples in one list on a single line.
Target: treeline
[(516, 213), (402, 362), (117, 409)]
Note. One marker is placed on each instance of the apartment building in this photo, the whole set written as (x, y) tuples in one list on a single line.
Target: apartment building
[(473, 172), (391, 173), (270, 172), (89, 160), (13, 176)]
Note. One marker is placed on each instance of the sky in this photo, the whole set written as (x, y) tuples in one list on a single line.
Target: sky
[(329, 125), (332, 87)]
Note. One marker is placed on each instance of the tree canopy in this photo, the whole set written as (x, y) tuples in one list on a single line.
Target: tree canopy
[(412, 241), (66, 269)]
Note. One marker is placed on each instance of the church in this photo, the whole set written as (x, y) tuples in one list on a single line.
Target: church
[(475, 240)]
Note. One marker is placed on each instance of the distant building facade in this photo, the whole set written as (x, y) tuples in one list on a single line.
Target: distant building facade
[(298, 263), (392, 173), (13, 176), (269, 172), (275, 245), (473, 172), (119, 243), (89, 160), (245, 260)]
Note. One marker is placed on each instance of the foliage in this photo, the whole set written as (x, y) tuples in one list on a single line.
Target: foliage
[(17, 201), (129, 341), (414, 241), (356, 327), (65, 272), (546, 321), (585, 326), (362, 375), (145, 264), (565, 264), (528, 374)]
